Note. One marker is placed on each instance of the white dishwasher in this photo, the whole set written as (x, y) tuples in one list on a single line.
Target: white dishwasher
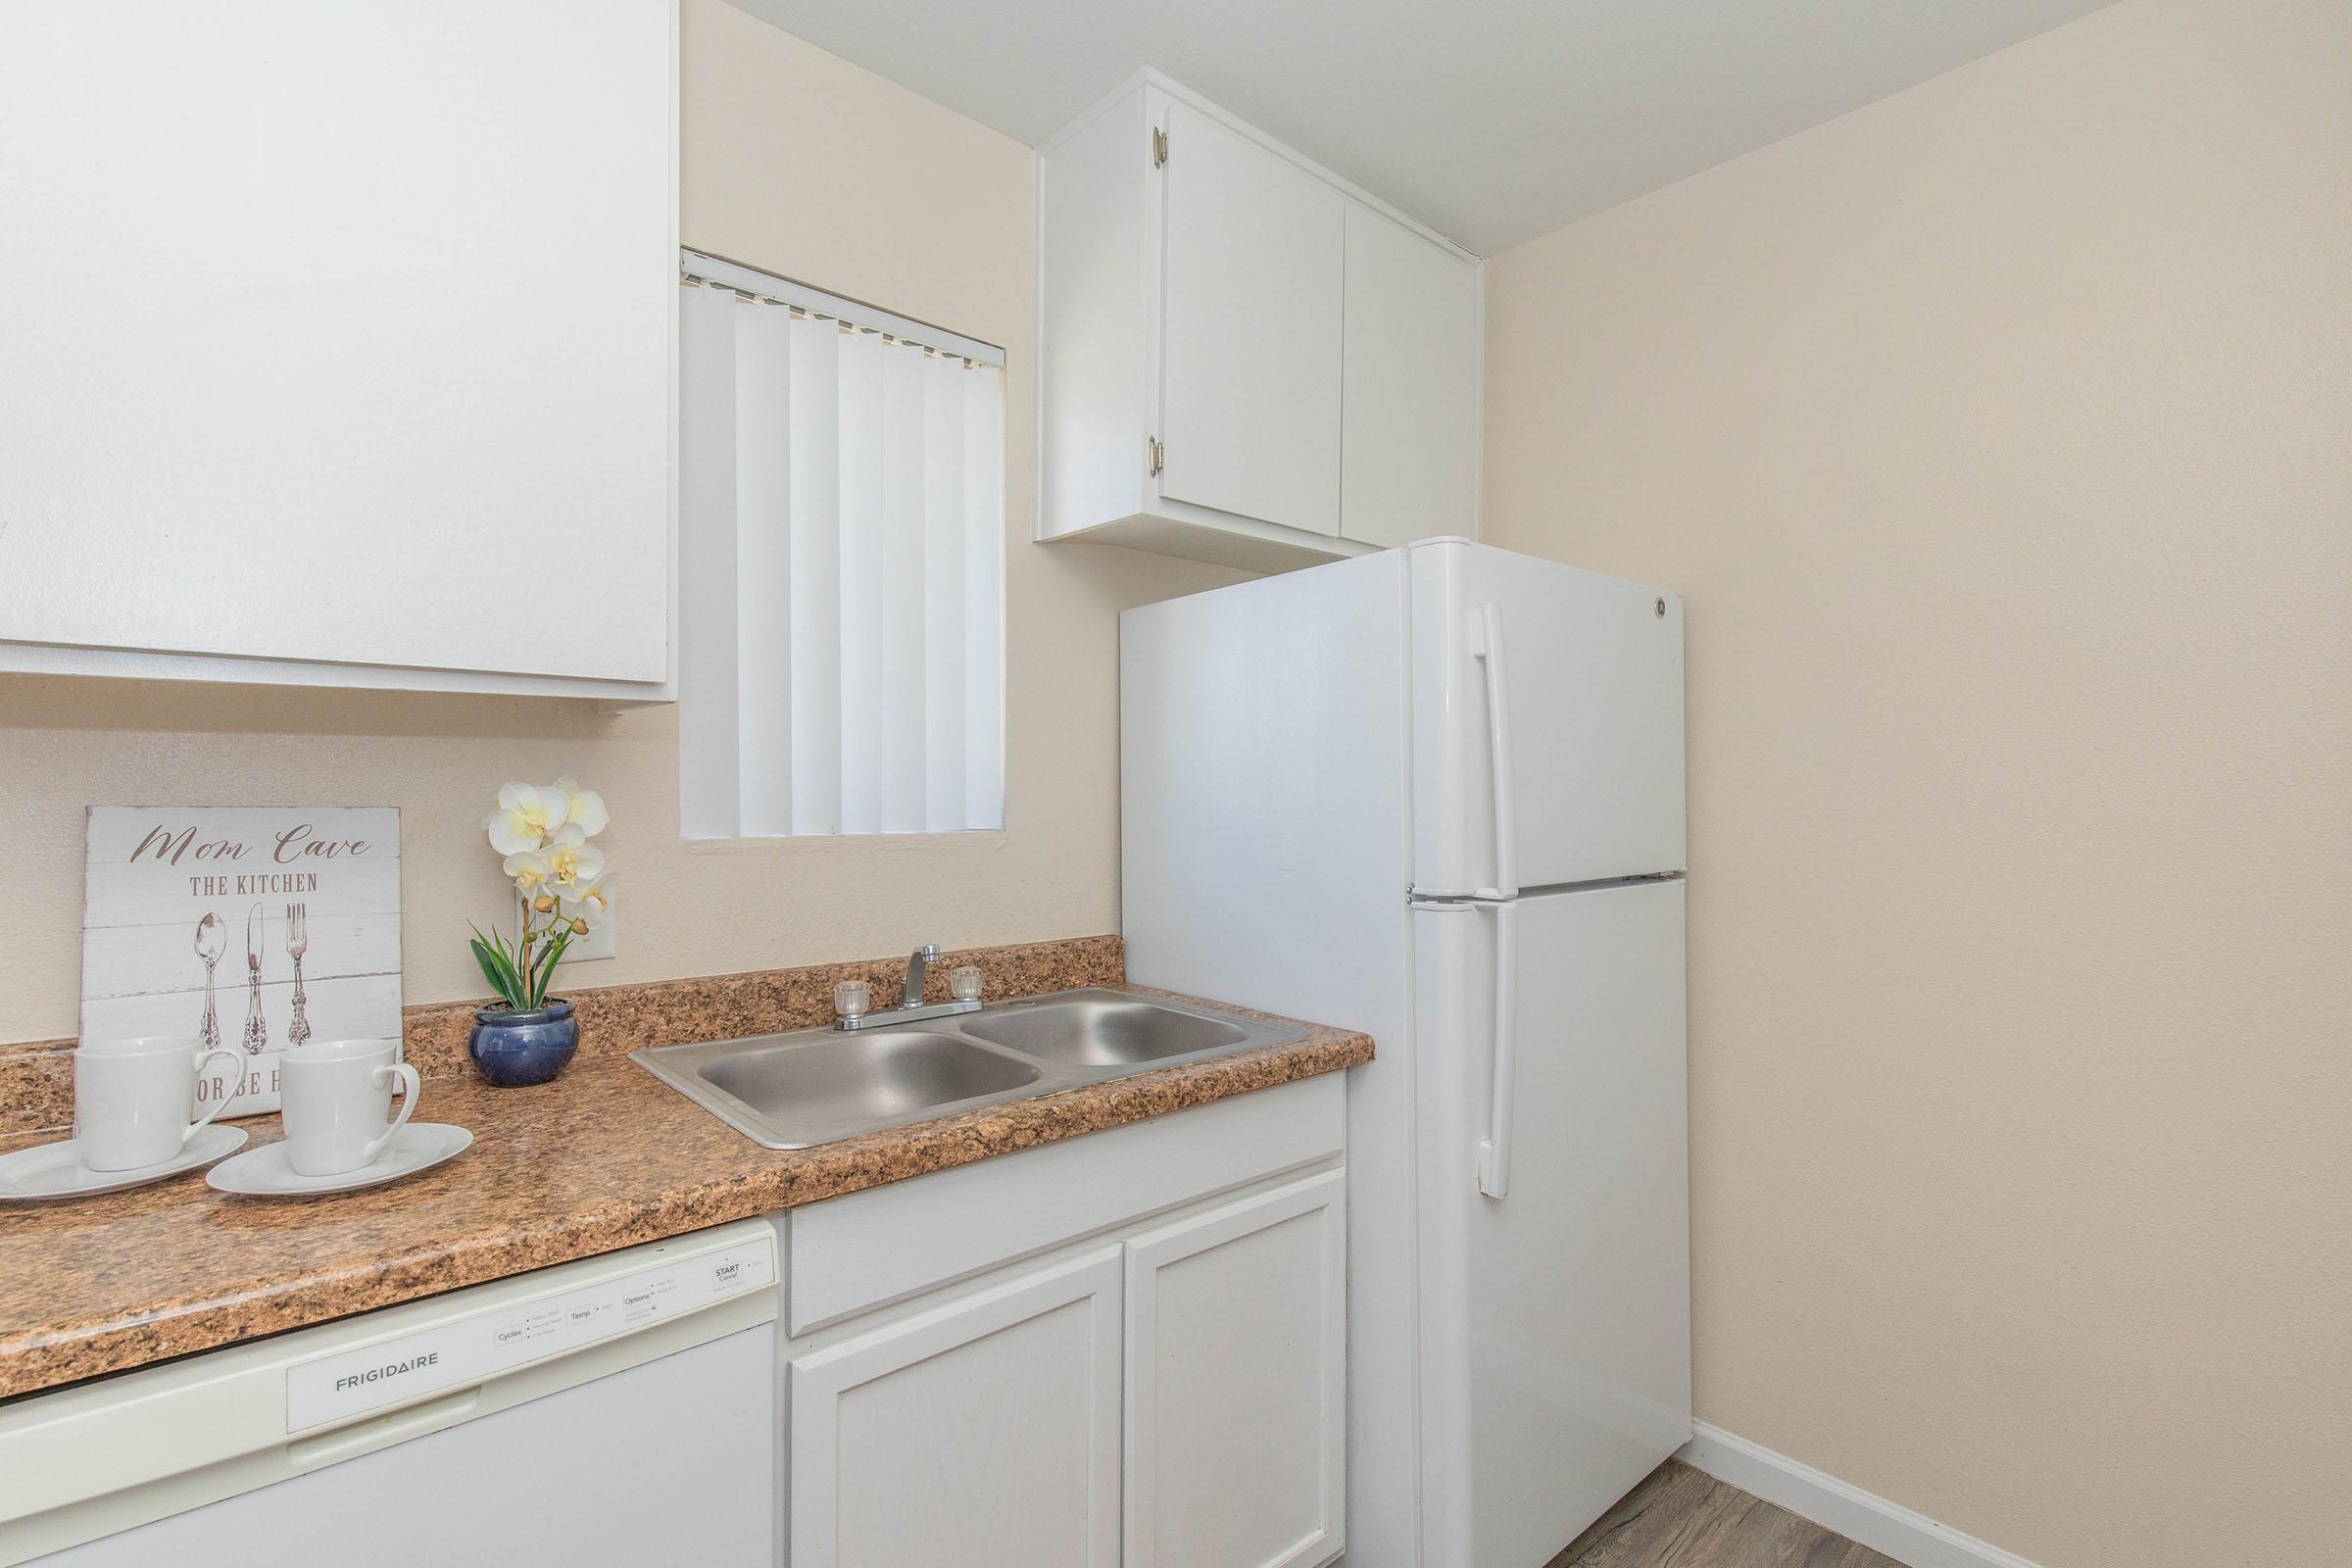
[(616, 1410)]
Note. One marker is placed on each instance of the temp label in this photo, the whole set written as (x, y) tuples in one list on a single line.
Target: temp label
[(337, 1387)]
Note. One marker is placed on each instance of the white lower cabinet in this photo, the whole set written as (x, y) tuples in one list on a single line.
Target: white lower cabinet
[(1237, 1382), (984, 1430), (1127, 1347)]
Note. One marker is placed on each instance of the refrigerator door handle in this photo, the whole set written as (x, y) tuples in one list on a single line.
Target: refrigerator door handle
[(1486, 646), (1495, 1153)]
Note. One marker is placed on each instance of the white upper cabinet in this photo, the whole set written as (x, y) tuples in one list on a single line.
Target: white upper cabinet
[(1413, 330), (1249, 357), (1201, 325), (339, 342)]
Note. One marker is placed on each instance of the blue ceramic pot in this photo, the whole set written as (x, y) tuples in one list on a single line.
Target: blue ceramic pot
[(514, 1049)]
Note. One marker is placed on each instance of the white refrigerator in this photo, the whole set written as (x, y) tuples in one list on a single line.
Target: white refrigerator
[(1435, 794)]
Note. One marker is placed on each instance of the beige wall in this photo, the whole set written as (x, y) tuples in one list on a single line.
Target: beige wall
[(2000, 435), (798, 163)]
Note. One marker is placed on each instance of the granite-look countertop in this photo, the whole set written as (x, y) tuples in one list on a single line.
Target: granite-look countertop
[(604, 1157)]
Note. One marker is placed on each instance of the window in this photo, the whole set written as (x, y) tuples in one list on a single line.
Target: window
[(841, 658)]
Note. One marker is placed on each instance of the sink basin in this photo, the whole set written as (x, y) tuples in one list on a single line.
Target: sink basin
[(815, 1091), (1104, 1032), (819, 1086)]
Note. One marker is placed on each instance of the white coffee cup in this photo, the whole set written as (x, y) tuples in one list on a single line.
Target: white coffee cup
[(134, 1100), (335, 1097)]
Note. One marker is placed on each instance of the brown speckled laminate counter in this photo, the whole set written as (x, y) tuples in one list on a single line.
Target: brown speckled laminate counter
[(604, 1157), (37, 1077)]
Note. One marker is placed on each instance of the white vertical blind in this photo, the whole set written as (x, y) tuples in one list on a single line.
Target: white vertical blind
[(841, 586)]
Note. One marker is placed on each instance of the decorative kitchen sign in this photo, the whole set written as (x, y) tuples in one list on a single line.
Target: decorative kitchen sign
[(256, 927)]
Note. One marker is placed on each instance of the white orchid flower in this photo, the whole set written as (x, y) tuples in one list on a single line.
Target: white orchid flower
[(592, 907), (573, 864), (532, 873), (527, 815), (583, 806)]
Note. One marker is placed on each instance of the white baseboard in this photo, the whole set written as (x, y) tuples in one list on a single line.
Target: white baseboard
[(1882, 1526)]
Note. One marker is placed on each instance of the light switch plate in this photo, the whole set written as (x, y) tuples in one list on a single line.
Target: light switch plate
[(602, 943)]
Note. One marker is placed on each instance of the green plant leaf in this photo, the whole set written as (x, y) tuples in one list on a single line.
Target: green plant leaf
[(498, 968), (489, 968), (545, 970)]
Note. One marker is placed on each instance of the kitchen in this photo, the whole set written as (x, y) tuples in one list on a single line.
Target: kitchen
[(1983, 434)]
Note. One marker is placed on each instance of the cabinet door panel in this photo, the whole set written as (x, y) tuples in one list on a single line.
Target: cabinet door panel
[(1249, 328), (1413, 352), (984, 1432), (340, 333), (1236, 1384)]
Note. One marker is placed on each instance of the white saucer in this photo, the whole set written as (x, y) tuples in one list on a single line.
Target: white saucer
[(265, 1173), (52, 1171)]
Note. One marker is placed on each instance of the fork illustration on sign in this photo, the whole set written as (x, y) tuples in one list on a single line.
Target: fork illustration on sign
[(298, 943)]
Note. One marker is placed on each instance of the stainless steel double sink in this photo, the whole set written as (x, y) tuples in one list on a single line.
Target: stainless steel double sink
[(819, 1086)]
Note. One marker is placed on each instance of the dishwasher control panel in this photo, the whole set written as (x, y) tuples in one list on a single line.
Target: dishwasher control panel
[(337, 1387)]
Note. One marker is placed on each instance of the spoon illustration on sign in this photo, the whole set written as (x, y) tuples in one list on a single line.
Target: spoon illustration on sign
[(211, 942)]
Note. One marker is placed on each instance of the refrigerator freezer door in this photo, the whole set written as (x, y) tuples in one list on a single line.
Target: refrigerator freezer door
[(1555, 1327), (1574, 682)]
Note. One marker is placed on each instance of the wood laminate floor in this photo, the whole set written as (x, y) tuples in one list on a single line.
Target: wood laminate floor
[(1680, 1518)]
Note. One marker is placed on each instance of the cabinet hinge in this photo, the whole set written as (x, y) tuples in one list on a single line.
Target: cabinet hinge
[(1159, 146), (1156, 454)]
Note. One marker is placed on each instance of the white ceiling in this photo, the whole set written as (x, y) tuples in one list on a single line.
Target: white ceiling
[(1492, 121)]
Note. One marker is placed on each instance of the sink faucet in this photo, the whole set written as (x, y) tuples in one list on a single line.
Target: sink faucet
[(910, 1007), (918, 963)]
